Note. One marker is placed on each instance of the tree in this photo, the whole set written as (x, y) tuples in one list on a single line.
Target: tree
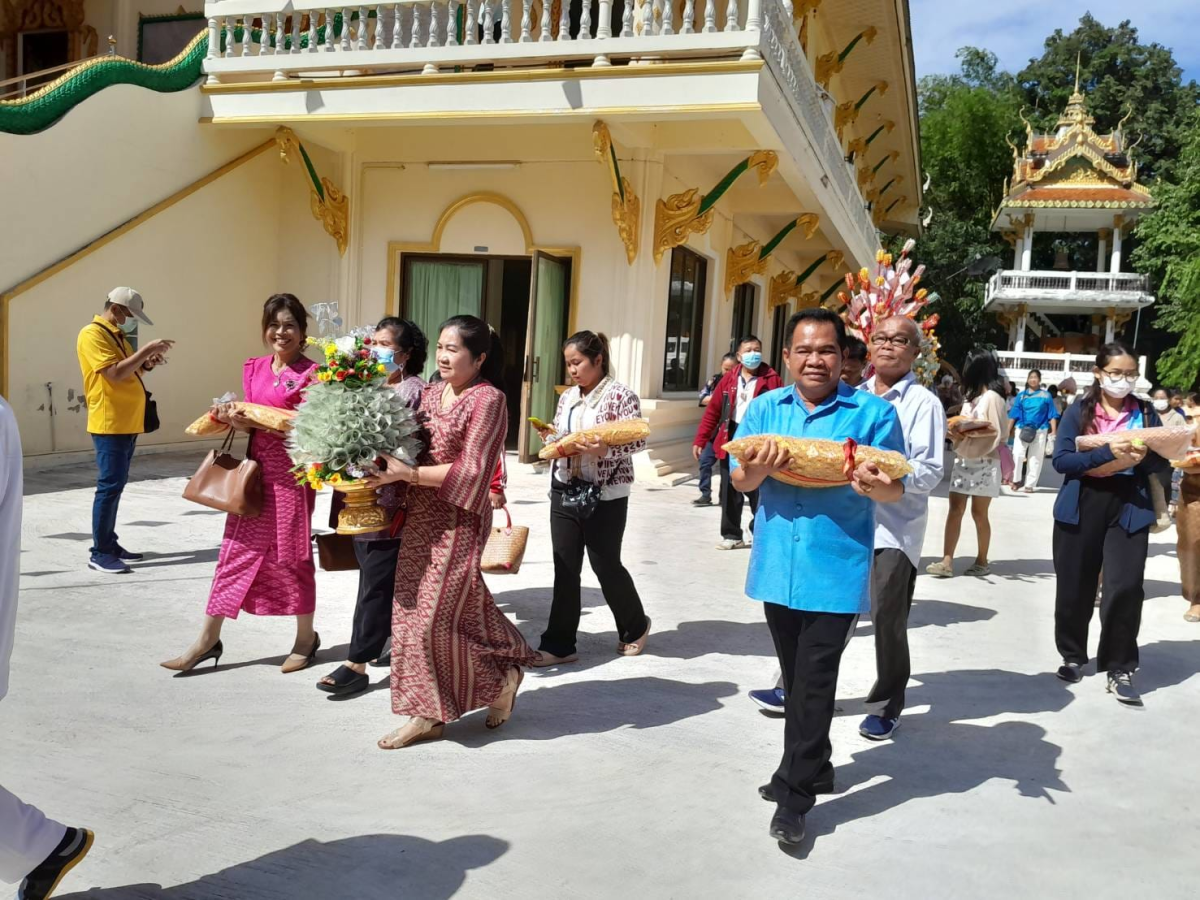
[(1118, 74), (1169, 251), (964, 121)]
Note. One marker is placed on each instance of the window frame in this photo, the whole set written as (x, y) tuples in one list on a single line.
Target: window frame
[(693, 373)]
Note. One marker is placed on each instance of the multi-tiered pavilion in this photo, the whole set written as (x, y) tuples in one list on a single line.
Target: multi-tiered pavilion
[(1072, 183)]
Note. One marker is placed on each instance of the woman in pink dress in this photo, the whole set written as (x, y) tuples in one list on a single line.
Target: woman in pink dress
[(266, 566), (453, 650)]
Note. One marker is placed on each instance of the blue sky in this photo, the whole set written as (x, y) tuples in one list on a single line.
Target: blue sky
[(1015, 29)]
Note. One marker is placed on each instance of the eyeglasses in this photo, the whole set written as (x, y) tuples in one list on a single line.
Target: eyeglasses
[(894, 340), (1112, 374)]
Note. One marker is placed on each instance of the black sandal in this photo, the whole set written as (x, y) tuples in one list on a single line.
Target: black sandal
[(345, 682)]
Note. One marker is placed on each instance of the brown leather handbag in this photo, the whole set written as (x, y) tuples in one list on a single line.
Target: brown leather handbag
[(227, 483)]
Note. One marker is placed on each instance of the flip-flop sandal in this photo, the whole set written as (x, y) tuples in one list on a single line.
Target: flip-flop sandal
[(1190, 616), (939, 570), (345, 681), (545, 660), (978, 571)]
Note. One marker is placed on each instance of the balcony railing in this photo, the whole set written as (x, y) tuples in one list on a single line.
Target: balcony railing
[(287, 39), (1109, 288), (1056, 366)]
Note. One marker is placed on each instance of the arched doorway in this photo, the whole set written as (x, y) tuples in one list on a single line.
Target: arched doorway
[(41, 34)]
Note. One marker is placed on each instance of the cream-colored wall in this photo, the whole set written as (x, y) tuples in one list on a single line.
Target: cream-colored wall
[(110, 158), (307, 256), (204, 273)]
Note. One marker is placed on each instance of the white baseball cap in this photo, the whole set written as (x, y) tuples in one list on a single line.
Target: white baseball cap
[(131, 300)]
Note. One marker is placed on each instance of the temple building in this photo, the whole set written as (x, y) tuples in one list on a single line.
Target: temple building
[(1072, 191), (674, 174)]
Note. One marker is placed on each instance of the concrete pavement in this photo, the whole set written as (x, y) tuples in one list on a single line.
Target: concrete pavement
[(616, 777)]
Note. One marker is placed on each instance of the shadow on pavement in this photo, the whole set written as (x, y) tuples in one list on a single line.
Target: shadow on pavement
[(372, 865), (595, 707)]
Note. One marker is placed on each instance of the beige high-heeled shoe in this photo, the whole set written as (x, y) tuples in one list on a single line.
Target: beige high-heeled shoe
[(295, 662), (502, 707), (187, 663), (414, 731), (636, 648)]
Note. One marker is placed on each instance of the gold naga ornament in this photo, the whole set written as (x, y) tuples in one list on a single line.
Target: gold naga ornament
[(747, 260), (846, 114), (329, 206), (690, 213), (787, 285), (831, 63), (858, 146), (626, 207)]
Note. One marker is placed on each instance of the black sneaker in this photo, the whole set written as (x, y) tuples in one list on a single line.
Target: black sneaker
[(1072, 673), (41, 882), (787, 827), (702, 501), (1120, 685)]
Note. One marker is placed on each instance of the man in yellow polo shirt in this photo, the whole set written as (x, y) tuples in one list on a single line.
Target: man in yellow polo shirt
[(116, 402)]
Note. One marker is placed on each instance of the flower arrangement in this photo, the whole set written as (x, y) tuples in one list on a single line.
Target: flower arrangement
[(892, 290), (349, 417)]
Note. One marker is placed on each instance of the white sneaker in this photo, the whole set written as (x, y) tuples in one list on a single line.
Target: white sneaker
[(730, 544)]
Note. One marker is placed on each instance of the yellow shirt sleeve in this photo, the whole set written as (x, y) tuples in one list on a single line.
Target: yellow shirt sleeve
[(96, 350)]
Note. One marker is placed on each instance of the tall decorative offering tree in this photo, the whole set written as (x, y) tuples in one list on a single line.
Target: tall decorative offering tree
[(891, 290), (347, 420)]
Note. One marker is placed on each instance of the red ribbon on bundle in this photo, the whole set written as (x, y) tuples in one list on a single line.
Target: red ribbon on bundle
[(851, 464)]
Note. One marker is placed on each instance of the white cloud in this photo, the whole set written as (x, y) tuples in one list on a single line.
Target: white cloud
[(1015, 30)]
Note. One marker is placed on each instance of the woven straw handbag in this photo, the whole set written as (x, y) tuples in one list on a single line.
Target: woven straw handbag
[(505, 548)]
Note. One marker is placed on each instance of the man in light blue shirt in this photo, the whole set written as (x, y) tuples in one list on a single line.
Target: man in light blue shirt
[(900, 527), (811, 560)]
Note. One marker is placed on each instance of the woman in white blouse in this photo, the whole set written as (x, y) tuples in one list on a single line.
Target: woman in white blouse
[(976, 472), (589, 501)]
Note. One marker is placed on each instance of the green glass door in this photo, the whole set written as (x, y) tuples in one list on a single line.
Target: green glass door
[(549, 303), (436, 289)]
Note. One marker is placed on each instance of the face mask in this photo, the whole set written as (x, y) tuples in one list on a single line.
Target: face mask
[(751, 359), (1117, 388), (1162, 405), (387, 356), (129, 326)]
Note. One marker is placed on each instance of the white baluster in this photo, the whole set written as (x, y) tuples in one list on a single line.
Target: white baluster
[(527, 21), (346, 30), (585, 21), (547, 33), (314, 16), (668, 17), (489, 22), (361, 34), (603, 30), (471, 22), (452, 23), (689, 17), (295, 32), (506, 21), (246, 37), (710, 16), (214, 44), (433, 24), (414, 38), (627, 19), (280, 36), (731, 16), (397, 29), (648, 17), (564, 21), (377, 36), (754, 20)]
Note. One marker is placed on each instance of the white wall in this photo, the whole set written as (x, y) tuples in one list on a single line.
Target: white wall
[(205, 266), (110, 158)]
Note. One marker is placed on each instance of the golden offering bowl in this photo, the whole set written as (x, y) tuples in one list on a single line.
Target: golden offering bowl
[(362, 513)]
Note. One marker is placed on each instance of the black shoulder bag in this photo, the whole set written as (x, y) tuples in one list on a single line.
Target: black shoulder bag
[(150, 421)]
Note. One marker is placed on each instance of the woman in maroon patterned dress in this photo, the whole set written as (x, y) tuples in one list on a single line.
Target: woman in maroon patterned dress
[(266, 566), (453, 650)]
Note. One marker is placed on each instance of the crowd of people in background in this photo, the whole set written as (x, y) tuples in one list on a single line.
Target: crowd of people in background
[(818, 559)]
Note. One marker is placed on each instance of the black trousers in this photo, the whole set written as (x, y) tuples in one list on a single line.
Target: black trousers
[(372, 630), (893, 583), (1080, 551), (733, 501), (810, 646), (601, 535)]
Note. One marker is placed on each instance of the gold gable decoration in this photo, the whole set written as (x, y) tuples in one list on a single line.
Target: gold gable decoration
[(626, 207), (329, 205)]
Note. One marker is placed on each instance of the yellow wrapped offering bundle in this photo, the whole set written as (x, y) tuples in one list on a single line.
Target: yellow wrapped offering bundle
[(816, 463), (615, 434), (967, 426), (266, 416)]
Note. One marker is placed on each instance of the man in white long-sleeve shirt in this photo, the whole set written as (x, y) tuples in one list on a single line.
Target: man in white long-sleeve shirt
[(900, 526), (34, 850)]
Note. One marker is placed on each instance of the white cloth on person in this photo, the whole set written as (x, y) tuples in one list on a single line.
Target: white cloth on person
[(27, 837), (1034, 452)]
